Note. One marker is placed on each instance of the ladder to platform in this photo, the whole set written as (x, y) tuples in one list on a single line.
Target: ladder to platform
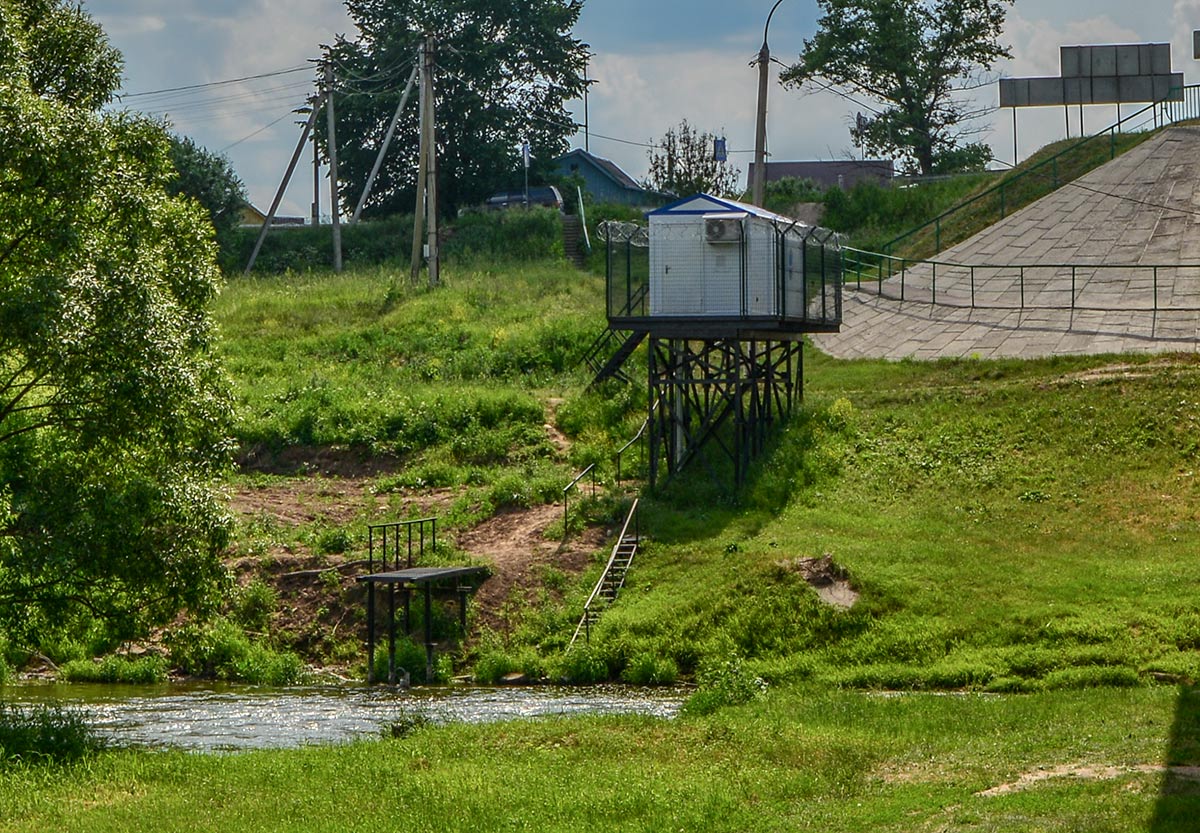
[(612, 579)]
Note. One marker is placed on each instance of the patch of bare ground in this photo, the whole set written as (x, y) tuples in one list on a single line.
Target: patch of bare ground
[(514, 545), (1125, 371), (319, 601), (1089, 772), (830, 581), (328, 460)]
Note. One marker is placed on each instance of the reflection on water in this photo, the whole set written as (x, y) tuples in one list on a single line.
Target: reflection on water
[(235, 718)]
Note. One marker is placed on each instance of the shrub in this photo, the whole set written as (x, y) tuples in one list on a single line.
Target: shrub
[(45, 733), (145, 670), (581, 666), (650, 669), (724, 683), (254, 605), (225, 652)]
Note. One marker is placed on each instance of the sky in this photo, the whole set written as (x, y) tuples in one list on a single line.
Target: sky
[(655, 62)]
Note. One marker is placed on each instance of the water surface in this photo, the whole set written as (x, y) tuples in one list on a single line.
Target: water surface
[(228, 718)]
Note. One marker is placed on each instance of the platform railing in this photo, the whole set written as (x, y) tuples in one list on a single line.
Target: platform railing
[(405, 538), (1074, 287)]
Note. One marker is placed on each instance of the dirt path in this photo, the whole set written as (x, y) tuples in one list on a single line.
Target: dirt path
[(515, 546)]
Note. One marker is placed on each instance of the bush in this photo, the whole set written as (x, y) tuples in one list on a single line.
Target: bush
[(724, 683), (45, 733), (254, 605), (146, 670), (650, 669), (223, 651), (581, 666)]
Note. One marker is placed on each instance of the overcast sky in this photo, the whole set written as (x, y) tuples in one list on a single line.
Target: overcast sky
[(656, 62)]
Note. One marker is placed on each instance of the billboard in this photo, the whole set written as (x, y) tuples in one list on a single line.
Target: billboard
[(1127, 73)]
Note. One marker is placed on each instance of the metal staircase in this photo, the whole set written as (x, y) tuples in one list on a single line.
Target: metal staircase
[(612, 579)]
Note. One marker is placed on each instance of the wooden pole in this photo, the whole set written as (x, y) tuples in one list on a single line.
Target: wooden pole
[(334, 196), (287, 177), (387, 142), (431, 160), (419, 213)]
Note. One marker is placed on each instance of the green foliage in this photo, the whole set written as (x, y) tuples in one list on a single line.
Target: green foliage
[(513, 236), (917, 60), (113, 408), (209, 179), (505, 71), (870, 214), (682, 163), (40, 734), (254, 604), (782, 195), (411, 658), (581, 665), (648, 669), (224, 652), (724, 682), (310, 248), (145, 670)]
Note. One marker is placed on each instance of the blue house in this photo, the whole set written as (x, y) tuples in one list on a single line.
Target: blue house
[(606, 182)]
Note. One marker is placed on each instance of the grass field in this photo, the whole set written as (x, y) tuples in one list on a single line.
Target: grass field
[(1021, 536), (802, 759)]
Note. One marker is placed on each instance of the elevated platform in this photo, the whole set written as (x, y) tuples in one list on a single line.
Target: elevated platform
[(460, 580)]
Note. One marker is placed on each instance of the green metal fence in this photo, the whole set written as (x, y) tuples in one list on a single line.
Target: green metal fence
[(1095, 287)]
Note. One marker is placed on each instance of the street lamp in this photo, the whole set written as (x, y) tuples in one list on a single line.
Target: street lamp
[(760, 134)]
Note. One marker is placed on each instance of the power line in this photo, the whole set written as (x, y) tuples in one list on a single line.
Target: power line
[(216, 83), (255, 133)]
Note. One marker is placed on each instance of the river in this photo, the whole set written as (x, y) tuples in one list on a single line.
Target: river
[(209, 718)]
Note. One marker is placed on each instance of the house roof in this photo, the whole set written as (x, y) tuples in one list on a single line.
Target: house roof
[(605, 166), (708, 204)]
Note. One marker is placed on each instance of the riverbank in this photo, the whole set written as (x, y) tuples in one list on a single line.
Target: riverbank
[(800, 759)]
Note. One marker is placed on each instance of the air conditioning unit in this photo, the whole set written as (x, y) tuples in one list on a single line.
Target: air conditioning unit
[(723, 230)]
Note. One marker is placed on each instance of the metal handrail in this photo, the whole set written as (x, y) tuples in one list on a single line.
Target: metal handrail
[(397, 525), (567, 492), (1022, 270), (1000, 187), (632, 517), (636, 437), (587, 241)]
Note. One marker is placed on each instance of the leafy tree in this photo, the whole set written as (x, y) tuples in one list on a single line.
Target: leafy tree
[(682, 162), (505, 70), (918, 59), (113, 408), (210, 180)]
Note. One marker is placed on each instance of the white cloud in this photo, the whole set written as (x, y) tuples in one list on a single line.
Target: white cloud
[(640, 97)]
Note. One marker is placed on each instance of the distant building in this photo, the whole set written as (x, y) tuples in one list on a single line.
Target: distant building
[(251, 216), (606, 182), (844, 174)]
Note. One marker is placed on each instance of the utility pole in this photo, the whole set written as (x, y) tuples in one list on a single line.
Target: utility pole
[(431, 185), (333, 167), (423, 150), (316, 203), (758, 186), (287, 177), (387, 142), (427, 209)]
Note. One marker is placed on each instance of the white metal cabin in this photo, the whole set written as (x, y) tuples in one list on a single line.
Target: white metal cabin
[(714, 261)]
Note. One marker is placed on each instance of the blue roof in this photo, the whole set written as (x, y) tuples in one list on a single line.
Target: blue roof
[(716, 204)]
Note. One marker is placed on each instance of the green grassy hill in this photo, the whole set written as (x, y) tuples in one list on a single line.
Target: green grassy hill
[(1008, 526)]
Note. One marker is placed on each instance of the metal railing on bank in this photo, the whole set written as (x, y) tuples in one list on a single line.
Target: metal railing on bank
[(1084, 287), (1023, 187)]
